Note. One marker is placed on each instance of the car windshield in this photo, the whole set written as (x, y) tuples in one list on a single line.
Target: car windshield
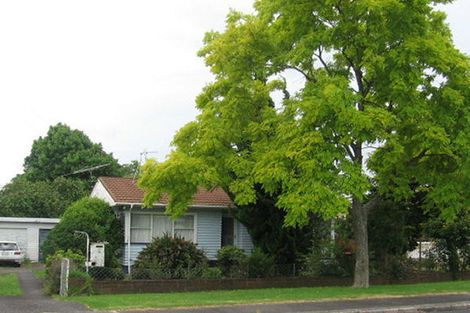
[(8, 246)]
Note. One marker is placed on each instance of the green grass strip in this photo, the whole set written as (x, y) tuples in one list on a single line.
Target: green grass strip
[(214, 298), (39, 274), (9, 285)]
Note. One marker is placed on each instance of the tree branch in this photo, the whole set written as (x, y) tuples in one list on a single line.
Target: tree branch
[(320, 58), (307, 77)]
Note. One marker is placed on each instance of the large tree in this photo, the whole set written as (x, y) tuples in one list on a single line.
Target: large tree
[(65, 152), (384, 98), (24, 198)]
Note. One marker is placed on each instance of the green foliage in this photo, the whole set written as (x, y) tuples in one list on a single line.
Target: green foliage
[(264, 222), (451, 242), (232, 261), (106, 273), (53, 268), (80, 283), (169, 257), (212, 273), (25, 198), (399, 225), (328, 259), (260, 264), (369, 88), (93, 216), (64, 151)]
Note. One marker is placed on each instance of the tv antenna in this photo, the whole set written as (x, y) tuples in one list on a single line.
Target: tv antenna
[(87, 169), (143, 158)]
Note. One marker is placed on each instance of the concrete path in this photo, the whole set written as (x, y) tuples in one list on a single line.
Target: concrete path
[(33, 300), (441, 303)]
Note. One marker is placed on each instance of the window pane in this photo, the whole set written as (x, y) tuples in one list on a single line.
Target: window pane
[(140, 221), (185, 222), (184, 227), (185, 234), (140, 235), (161, 225), (7, 246), (140, 228)]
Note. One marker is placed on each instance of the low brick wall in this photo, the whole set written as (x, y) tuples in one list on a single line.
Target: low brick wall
[(151, 286)]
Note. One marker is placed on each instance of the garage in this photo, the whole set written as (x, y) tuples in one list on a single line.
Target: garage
[(29, 233)]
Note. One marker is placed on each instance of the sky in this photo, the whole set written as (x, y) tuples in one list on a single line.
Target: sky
[(124, 72)]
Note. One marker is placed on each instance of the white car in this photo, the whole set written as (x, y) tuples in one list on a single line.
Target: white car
[(11, 252)]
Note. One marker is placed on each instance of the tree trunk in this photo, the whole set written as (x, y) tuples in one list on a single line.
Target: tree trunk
[(361, 270)]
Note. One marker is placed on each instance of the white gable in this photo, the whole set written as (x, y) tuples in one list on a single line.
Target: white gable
[(100, 192)]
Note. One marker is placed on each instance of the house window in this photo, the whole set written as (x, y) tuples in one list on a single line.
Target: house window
[(140, 228), (144, 227), (184, 227), (162, 225)]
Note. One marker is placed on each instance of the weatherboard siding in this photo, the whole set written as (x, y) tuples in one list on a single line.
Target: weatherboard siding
[(243, 238), (208, 228), (209, 232)]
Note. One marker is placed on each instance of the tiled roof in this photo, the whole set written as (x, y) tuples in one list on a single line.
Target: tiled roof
[(125, 190)]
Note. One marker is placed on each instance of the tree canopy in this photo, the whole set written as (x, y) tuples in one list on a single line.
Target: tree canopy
[(24, 198), (64, 151), (382, 101)]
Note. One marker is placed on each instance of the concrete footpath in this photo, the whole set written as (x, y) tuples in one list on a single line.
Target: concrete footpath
[(33, 299), (440, 303)]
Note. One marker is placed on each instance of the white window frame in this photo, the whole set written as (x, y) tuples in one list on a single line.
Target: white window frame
[(151, 215)]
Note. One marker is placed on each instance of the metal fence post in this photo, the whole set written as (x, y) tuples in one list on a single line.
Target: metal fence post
[(64, 277)]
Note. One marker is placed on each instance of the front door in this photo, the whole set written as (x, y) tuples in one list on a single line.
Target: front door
[(228, 231)]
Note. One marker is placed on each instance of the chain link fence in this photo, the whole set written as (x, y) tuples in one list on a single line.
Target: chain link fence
[(206, 272)]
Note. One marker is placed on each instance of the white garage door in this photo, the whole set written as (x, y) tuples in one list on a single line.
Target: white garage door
[(15, 234)]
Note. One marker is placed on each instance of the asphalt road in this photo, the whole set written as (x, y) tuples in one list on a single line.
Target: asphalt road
[(33, 300)]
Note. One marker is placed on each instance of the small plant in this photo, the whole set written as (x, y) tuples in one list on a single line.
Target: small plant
[(260, 264), (328, 259), (80, 283), (53, 268), (169, 257), (232, 261), (212, 273)]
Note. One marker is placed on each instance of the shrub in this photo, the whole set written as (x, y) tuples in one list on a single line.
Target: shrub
[(260, 264), (212, 273), (169, 257), (53, 268), (93, 216), (80, 283), (232, 261), (327, 259)]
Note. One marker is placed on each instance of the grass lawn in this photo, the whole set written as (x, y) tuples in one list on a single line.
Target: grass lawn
[(9, 285), (39, 274), (212, 298)]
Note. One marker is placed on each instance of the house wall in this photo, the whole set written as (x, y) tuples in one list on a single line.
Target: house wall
[(208, 228), (208, 234), (25, 231), (100, 192), (243, 238)]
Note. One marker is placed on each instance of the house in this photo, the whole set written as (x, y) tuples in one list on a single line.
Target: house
[(207, 222), (28, 232)]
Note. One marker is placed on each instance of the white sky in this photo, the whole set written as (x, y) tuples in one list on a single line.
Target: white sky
[(124, 72)]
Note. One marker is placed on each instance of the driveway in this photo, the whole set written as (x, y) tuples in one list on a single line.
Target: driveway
[(33, 300)]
